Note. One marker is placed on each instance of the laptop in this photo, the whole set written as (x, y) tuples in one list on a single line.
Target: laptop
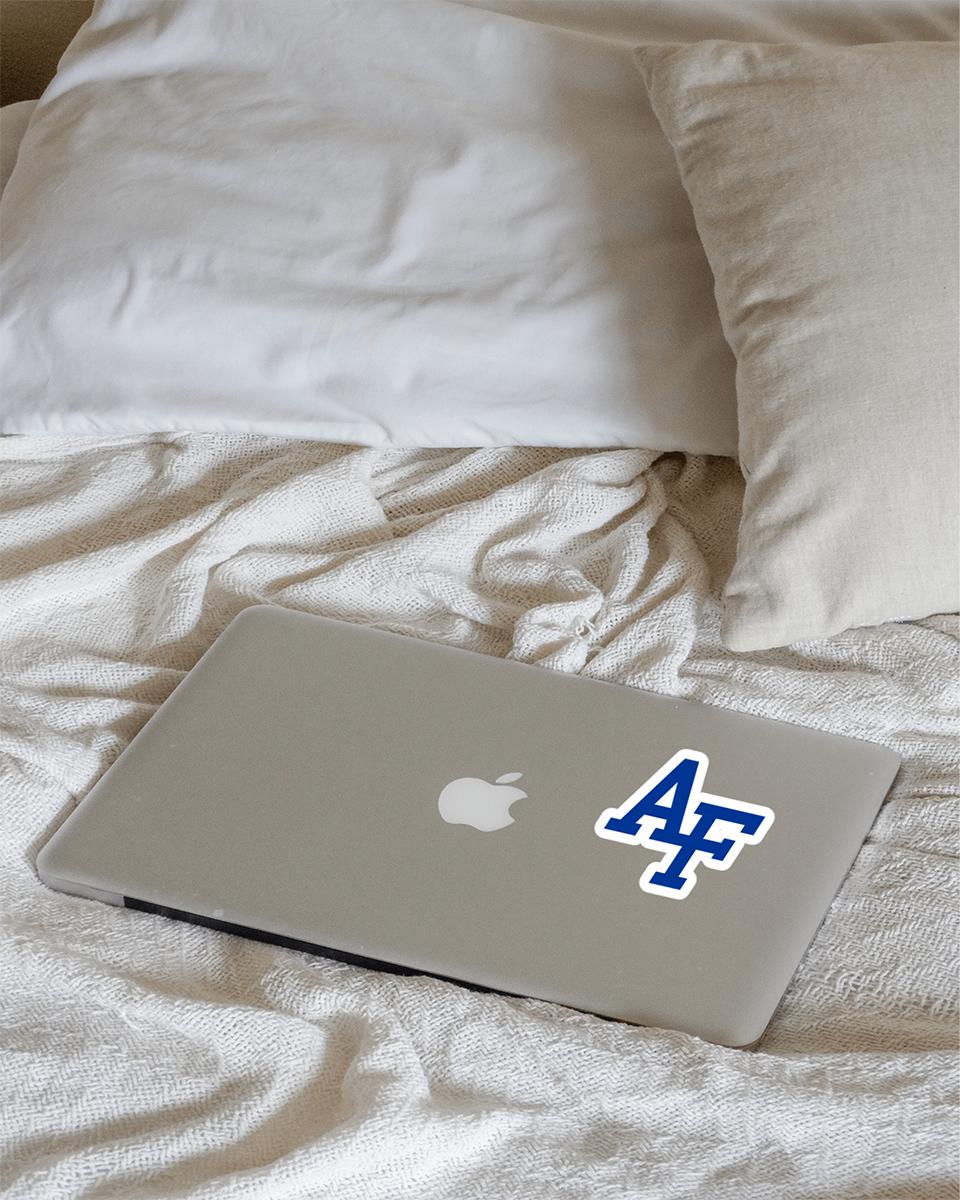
[(413, 807)]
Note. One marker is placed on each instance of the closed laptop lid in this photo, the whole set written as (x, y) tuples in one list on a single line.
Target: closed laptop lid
[(388, 799)]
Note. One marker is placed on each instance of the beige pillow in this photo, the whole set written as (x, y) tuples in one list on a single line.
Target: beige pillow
[(824, 184)]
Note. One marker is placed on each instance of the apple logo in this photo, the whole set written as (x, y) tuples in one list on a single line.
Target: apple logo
[(483, 805)]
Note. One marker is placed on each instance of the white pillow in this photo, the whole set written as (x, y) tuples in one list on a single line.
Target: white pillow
[(824, 184), (14, 119), (373, 222)]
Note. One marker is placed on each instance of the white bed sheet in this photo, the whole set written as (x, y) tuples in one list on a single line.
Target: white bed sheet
[(147, 1058)]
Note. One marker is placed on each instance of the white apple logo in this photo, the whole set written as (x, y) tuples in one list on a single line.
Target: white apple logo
[(483, 805)]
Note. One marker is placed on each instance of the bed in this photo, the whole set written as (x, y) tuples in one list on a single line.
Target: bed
[(535, 364)]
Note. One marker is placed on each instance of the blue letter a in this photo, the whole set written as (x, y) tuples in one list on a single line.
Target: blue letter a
[(682, 775)]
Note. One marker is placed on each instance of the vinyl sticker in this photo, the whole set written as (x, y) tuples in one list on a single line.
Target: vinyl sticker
[(672, 813)]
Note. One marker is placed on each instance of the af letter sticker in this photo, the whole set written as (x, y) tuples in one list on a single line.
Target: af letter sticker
[(672, 814)]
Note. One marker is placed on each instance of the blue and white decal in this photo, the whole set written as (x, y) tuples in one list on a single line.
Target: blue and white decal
[(672, 813)]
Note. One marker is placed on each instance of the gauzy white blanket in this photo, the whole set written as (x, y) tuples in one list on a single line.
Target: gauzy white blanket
[(147, 1058)]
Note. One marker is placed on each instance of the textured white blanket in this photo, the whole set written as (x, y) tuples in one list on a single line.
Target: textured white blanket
[(145, 1058)]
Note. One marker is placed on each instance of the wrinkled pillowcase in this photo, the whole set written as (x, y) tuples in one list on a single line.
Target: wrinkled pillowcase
[(824, 186), (415, 224)]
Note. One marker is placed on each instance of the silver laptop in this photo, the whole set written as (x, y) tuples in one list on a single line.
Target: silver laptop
[(409, 806)]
